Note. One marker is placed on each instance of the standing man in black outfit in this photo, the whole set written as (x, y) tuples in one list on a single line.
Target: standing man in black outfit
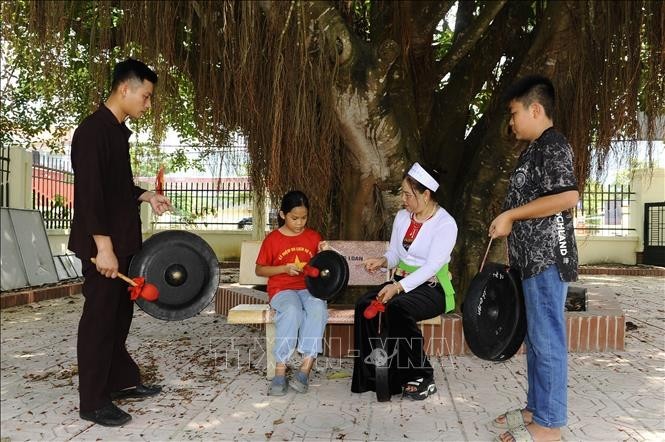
[(107, 227)]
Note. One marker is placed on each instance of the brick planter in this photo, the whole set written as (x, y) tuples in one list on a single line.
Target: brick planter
[(600, 328), (13, 299), (230, 295), (623, 271)]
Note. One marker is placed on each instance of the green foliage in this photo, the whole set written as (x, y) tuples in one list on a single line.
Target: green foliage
[(442, 40), (195, 216), (359, 16), (34, 104), (625, 176), (147, 157), (41, 105)]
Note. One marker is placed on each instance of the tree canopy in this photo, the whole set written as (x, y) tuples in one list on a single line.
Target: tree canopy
[(338, 97)]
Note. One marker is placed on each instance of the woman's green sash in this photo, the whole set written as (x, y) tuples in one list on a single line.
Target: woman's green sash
[(444, 279)]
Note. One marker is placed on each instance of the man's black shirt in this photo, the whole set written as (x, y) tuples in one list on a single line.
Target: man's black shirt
[(105, 197)]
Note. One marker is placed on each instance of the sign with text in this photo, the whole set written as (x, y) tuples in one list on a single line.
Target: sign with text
[(356, 252)]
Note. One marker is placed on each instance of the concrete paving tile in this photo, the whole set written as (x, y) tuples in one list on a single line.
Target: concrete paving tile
[(283, 431), (21, 398), (215, 387), (18, 430), (603, 429), (476, 426), (251, 415), (321, 420), (99, 433), (651, 429), (642, 406), (592, 403), (216, 434), (405, 424), (244, 438), (320, 436), (248, 419), (601, 362), (49, 410), (420, 420), (162, 415), (619, 382)]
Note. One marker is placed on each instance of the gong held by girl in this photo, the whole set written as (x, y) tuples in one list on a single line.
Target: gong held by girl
[(422, 239)]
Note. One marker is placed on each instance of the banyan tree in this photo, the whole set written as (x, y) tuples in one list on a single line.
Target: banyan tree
[(338, 97)]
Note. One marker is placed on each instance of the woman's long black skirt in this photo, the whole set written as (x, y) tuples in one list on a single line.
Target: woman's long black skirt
[(404, 341)]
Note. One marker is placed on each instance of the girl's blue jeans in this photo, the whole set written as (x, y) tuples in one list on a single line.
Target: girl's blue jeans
[(547, 353), (301, 319)]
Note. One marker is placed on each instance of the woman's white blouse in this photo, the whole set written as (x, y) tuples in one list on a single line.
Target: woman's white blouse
[(430, 250)]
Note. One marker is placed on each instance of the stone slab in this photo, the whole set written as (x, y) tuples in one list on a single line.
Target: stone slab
[(356, 252)]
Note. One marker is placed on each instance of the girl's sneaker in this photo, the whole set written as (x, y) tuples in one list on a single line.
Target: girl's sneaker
[(300, 382), (279, 386)]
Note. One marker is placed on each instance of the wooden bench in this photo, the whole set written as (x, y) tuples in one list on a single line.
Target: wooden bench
[(354, 251)]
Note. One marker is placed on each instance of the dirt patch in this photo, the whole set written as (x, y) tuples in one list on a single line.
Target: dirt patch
[(63, 374)]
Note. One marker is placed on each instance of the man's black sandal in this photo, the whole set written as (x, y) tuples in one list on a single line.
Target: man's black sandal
[(422, 389)]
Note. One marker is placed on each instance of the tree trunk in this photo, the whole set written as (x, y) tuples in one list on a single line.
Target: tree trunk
[(484, 187)]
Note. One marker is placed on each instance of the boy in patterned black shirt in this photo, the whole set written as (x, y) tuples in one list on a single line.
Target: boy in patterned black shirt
[(541, 245)]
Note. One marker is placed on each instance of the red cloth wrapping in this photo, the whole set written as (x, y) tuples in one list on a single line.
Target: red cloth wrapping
[(159, 181), (147, 291), (374, 308), (310, 271)]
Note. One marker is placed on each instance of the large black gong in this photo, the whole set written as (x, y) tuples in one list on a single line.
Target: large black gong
[(494, 319), (185, 270), (333, 275)]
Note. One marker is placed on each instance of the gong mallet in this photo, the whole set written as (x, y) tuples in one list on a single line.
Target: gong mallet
[(139, 287)]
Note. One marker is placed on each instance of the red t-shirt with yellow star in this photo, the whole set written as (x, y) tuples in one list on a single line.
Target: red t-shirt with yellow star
[(278, 249)]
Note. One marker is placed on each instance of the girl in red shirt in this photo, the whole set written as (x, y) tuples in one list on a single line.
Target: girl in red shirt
[(300, 318)]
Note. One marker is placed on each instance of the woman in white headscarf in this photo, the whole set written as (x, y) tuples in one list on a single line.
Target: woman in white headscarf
[(422, 239)]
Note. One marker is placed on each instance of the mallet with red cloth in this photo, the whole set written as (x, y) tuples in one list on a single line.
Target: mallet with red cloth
[(139, 288), (379, 355)]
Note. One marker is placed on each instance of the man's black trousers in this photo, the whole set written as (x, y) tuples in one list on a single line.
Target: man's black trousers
[(104, 364)]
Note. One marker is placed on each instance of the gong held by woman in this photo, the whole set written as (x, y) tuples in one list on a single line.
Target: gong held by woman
[(422, 239)]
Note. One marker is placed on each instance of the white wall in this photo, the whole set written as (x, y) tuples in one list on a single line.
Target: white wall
[(225, 243), (20, 178), (606, 249)]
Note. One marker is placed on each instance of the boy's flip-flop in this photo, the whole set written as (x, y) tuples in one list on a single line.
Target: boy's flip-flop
[(519, 433), (514, 419)]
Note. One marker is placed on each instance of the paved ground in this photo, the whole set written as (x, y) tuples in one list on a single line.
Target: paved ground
[(215, 390)]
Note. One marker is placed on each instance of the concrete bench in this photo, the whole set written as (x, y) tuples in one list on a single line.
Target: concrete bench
[(354, 251)]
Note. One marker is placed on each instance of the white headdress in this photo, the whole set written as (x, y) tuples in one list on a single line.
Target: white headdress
[(419, 174)]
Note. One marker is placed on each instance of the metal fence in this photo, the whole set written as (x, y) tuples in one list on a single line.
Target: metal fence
[(604, 210), (226, 203), (200, 203), (53, 189), (223, 203), (4, 176)]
